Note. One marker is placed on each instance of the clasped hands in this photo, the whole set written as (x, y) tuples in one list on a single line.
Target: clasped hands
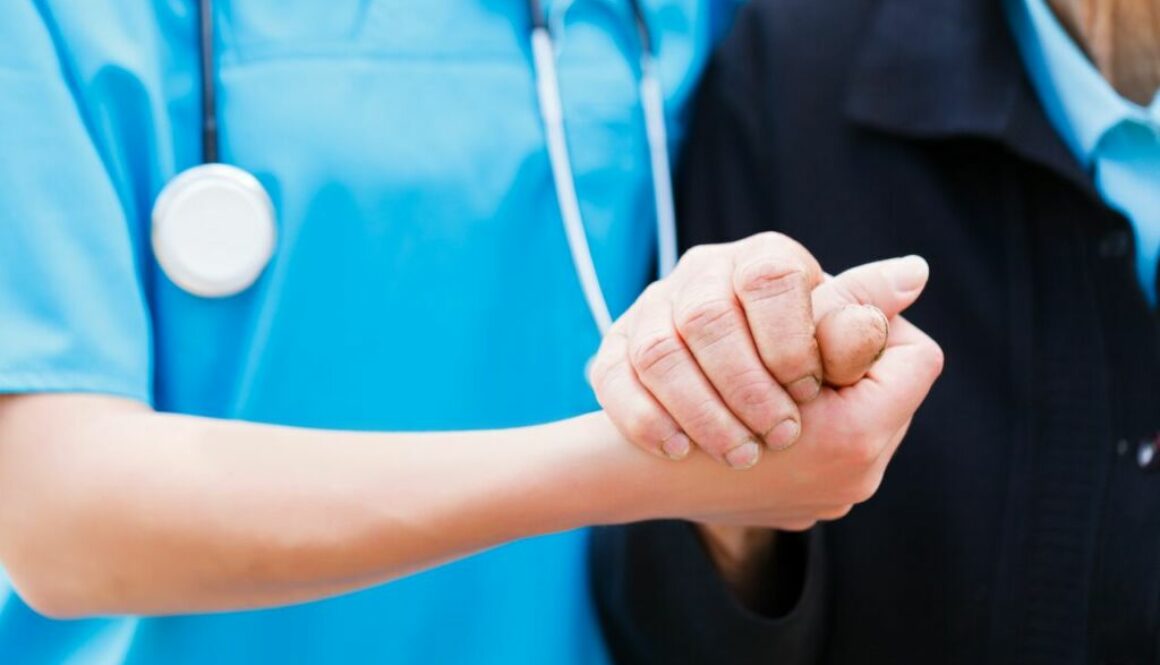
[(749, 354)]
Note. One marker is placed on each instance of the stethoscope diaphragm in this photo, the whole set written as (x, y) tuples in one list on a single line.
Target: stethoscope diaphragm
[(213, 230)]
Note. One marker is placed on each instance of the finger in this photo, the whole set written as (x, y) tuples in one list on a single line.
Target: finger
[(891, 286), (895, 386), (850, 339), (667, 369), (630, 406), (773, 279), (713, 326)]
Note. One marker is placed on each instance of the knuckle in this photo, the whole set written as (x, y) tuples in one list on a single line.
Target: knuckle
[(601, 365), (797, 350), (752, 390), (603, 375), (712, 428), (653, 290), (620, 326), (654, 295), (609, 358), (707, 320), (657, 354), (792, 356), (769, 239), (598, 380), (770, 278), (695, 255), (642, 428)]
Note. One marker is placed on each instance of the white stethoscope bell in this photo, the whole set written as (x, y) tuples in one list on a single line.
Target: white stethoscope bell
[(213, 230)]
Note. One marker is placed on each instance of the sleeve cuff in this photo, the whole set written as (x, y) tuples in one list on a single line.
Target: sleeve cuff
[(15, 383), (661, 600)]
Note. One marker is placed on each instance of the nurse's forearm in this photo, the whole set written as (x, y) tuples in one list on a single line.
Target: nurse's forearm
[(109, 508)]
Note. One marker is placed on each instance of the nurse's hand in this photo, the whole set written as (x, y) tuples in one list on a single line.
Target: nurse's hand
[(849, 437), (724, 350)]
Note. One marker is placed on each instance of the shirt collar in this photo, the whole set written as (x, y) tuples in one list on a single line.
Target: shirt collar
[(940, 69), (1079, 102)]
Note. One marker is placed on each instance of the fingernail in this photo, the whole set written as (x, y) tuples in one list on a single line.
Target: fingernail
[(783, 435), (910, 273), (744, 456), (884, 327), (676, 447), (805, 389), (884, 323)]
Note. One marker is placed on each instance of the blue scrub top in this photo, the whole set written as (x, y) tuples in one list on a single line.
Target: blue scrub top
[(421, 280)]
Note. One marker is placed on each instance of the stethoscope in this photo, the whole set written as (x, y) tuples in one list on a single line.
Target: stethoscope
[(214, 227)]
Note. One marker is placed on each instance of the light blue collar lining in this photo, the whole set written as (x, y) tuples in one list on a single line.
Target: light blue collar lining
[(1080, 103)]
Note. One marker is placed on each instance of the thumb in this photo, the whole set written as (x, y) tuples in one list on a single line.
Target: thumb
[(891, 393), (853, 311), (897, 385), (891, 286)]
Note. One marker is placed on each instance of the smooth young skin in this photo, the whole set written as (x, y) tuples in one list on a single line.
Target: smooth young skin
[(1122, 38), (109, 508)]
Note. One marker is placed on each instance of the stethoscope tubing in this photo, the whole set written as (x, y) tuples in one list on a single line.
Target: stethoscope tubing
[(551, 109), (209, 120), (653, 102), (552, 116)]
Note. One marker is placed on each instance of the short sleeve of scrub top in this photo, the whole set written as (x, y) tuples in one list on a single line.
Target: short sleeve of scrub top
[(421, 279), (72, 311)]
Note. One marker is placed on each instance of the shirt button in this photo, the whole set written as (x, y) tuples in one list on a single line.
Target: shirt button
[(1115, 245), (1148, 454)]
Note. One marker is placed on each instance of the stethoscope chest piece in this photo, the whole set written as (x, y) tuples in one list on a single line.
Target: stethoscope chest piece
[(213, 230)]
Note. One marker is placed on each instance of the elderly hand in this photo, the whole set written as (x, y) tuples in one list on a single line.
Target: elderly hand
[(724, 350), (849, 437)]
